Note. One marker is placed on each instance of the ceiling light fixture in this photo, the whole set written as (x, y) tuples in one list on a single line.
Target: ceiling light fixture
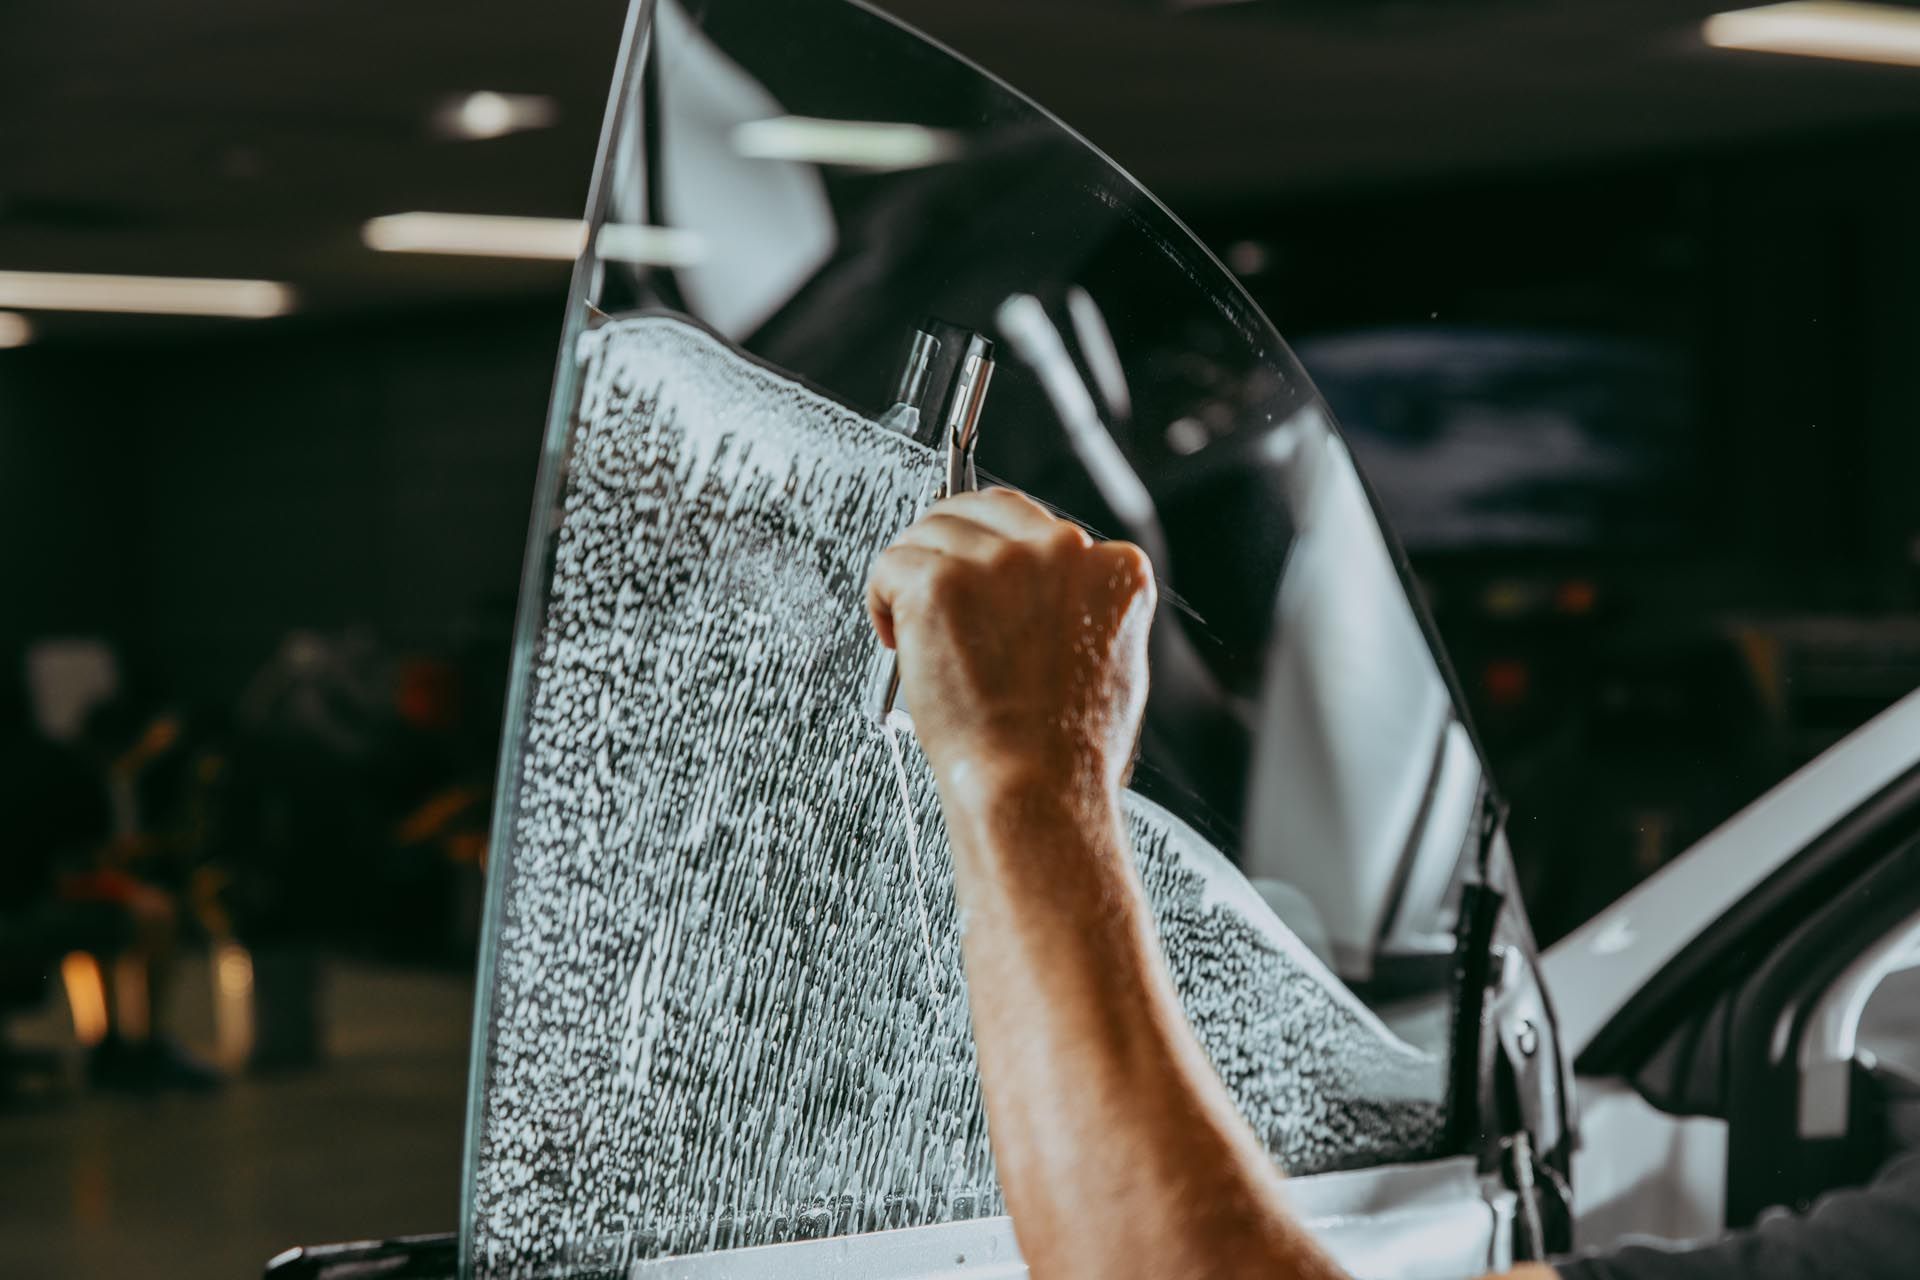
[(477, 235), (854, 144), (1821, 29), (538, 239), (15, 331), (144, 295), (650, 246), (473, 117)]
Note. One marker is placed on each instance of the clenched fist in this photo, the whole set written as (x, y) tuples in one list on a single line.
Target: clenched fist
[(1022, 643)]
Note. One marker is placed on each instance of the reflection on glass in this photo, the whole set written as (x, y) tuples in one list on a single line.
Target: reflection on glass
[(709, 1020)]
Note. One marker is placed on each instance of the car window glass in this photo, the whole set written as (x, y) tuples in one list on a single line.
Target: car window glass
[(724, 1003)]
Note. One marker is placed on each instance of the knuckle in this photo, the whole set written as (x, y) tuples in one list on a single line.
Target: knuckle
[(1131, 564), (1068, 536)]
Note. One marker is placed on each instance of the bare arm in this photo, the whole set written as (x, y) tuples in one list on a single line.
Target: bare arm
[(1023, 660), (1120, 1152)]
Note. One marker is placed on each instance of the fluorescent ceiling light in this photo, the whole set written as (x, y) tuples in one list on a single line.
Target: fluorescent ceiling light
[(1821, 29), (14, 330), (652, 246), (476, 234), (857, 144), (486, 114), (145, 295), (540, 239)]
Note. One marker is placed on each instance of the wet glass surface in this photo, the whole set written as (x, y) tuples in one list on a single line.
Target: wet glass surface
[(715, 1017)]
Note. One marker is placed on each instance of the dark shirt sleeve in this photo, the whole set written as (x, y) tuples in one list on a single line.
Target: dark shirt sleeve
[(1870, 1233)]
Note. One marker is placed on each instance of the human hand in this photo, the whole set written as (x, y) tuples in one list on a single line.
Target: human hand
[(1022, 643)]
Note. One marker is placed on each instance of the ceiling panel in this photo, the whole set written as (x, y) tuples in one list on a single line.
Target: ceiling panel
[(234, 138)]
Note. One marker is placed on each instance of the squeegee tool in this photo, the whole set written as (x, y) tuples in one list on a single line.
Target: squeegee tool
[(937, 400)]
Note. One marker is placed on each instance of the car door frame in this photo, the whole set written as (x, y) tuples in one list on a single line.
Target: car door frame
[(1657, 1152)]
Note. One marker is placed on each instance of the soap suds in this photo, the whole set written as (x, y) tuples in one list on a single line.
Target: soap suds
[(711, 1023), (891, 728)]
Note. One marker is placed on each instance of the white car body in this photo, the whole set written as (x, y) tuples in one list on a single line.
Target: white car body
[(1637, 1169)]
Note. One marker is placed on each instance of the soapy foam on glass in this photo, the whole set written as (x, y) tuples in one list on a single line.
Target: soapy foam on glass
[(892, 727), (709, 1024)]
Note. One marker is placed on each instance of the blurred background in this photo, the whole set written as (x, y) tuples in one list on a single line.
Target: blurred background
[(1621, 320)]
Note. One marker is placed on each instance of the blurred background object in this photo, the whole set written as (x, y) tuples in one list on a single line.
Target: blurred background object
[(1616, 302)]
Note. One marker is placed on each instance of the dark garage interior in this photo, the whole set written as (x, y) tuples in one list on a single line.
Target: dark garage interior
[(1621, 328)]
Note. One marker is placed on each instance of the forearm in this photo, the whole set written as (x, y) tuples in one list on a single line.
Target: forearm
[(1118, 1148), (1022, 646)]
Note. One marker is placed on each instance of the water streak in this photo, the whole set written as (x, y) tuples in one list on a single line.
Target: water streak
[(890, 727)]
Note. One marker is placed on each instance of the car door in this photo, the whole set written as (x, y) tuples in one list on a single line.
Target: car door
[(722, 1025), (1743, 1022)]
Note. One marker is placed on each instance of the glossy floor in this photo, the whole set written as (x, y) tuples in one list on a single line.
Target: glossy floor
[(208, 1187)]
